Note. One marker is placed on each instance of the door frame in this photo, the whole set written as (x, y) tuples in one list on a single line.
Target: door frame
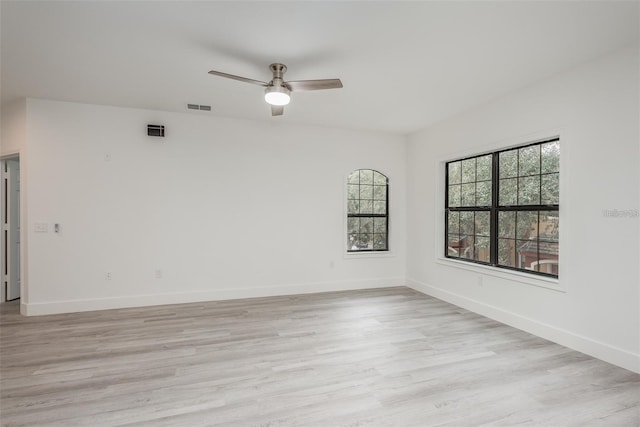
[(4, 244)]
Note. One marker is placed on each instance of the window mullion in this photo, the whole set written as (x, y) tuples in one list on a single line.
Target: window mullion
[(495, 188)]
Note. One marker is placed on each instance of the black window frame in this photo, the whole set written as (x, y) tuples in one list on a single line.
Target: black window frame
[(495, 208), (370, 215)]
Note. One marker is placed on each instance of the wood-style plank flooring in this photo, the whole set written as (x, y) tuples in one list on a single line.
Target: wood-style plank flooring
[(383, 357)]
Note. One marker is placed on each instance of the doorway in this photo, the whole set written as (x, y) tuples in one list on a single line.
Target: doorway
[(10, 285)]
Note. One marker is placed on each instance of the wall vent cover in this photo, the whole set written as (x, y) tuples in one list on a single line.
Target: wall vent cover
[(155, 130), (199, 107)]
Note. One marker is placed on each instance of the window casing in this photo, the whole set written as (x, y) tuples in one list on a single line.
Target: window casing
[(502, 208), (367, 211)]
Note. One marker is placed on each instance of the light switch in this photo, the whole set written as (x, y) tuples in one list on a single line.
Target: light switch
[(42, 227)]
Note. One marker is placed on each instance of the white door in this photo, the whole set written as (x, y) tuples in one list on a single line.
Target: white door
[(13, 229)]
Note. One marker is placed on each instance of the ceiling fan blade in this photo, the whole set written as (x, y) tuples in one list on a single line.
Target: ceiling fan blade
[(314, 84), (277, 110), (241, 79)]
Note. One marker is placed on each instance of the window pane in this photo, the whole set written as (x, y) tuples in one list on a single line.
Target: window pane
[(353, 206), (526, 253), (550, 157), (483, 165), (380, 208), (352, 241), (365, 241), (354, 177), (508, 161), (550, 190), (483, 193), (353, 225), (467, 226), (482, 250), (366, 206), (468, 194), (454, 173), (466, 247), (529, 160), (453, 226), (366, 192), (366, 225), (454, 195), (548, 259), (366, 176), (380, 241), (469, 170), (379, 179), (482, 224), (527, 225), (529, 190), (380, 225), (508, 192), (507, 224), (380, 192), (453, 244), (506, 252), (353, 191), (549, 227)]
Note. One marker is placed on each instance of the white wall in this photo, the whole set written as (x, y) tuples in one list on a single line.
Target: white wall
[(595, 110), (225, 208), (13, 133)]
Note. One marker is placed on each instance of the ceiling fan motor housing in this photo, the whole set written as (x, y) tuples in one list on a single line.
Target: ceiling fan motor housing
[(278, 70)]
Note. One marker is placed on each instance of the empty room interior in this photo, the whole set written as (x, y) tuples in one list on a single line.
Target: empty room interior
[(303, 213)]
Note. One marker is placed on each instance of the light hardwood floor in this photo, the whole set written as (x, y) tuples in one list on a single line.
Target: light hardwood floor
[(383, 357)]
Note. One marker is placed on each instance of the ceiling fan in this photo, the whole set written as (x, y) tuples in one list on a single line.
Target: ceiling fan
[(277, 90)]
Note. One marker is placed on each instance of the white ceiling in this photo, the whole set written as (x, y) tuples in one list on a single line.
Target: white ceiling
[(404, 65)]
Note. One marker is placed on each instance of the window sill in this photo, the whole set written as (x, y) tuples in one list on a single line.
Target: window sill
[(367, 255), (539, 281)]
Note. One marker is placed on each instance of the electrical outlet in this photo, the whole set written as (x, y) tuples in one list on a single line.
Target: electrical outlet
[(108, 275), (158, 274)]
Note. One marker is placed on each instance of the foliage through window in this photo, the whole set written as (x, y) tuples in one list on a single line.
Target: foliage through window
[(367, 211), (502, 208)]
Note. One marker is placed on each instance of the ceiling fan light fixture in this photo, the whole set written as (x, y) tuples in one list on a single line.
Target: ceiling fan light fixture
[(277, 95)]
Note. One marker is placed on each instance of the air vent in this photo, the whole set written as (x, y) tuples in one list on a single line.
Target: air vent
[(199, 107), (155, 130)]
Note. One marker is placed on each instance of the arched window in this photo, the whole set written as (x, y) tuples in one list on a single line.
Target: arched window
[(367, 211)]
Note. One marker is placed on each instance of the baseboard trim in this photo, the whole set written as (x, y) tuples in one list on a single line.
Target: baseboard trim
[(79, 305), (608, 353)]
